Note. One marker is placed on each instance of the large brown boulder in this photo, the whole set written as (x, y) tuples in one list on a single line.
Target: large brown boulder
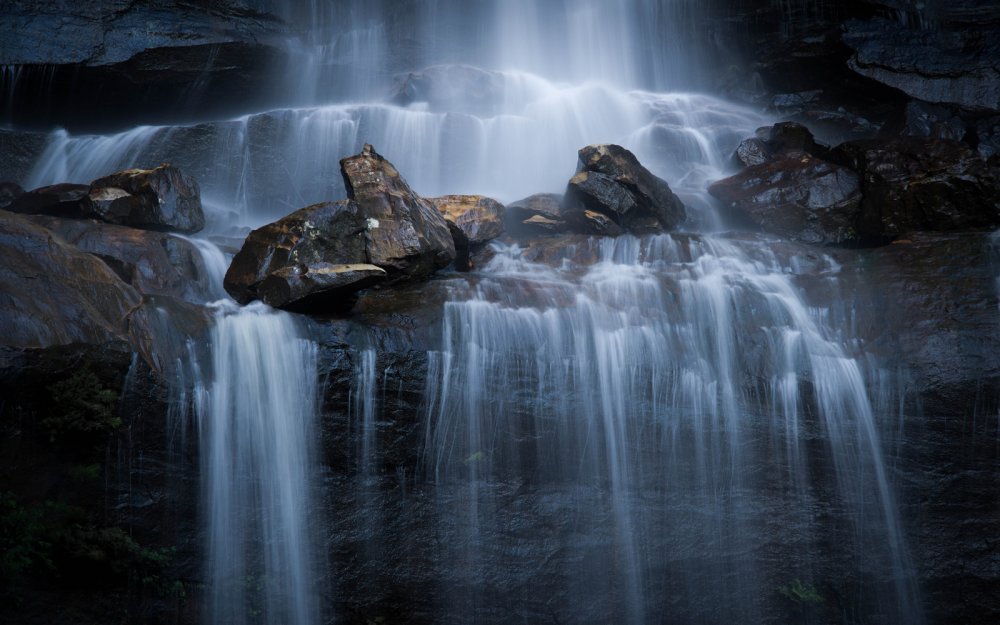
[(611, 181), (915, 183), (405, 234), (805, 199), (317, 257), (161, 198), (473, 219)]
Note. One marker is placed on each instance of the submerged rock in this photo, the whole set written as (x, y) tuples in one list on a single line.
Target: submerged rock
[(922, 184), (318, 256), (611, 181), (161, 198), (805, 199)]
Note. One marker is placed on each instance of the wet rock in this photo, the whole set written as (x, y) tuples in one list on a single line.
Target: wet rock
[(153, 263), (593, 222), (957, 66), (473, 219), (162, 198), (921, 184), (987, 136), (452, 88), (541, 212), (21, 150), (805, 198), (753, 151), (304, 287), (9, 191), (59, 200), (610, 180), (936, 122), (406, 235), (784, 139), (313, 240), (54, 293)]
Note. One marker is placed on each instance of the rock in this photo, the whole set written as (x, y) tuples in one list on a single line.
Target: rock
[(309, 286), (804, 198), (473, 219), (541, 212), (593, 222), (753, 151), (406, 235), (58, 200), (153, 263), (987, 136), (921, 184), (958, 66), (54, 293), (311, 240), (452, 88), (610, 180), (921, 119), (161, 198), (21, 151), (780, 140), (9, 191)]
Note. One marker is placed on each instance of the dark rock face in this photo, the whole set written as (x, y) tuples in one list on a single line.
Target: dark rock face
[(922, 184), (784, 139), (954, 66), (935, 122), (161, 198), (611, 181), (9, 191), (473, 219), (153, 263), (406, 235), (805, 199), (58, 200)]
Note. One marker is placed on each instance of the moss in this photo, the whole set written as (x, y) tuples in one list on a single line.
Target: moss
[(801, 593)]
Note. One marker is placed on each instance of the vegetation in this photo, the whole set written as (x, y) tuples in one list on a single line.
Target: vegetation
[(81, 406), (801, 593)]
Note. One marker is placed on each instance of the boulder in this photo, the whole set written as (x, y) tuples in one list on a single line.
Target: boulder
[(753, 151), (914, 183), (58, 200), (780, 140), (957, 66), (161, 198), (298, 249), (805, 199), (610, 180), (921, 119), (405, 234), (539, 213), (472, 219)]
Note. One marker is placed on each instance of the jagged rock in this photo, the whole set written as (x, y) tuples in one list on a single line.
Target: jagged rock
[(58, 200), (153, 263), (473, 219), (593, 222), (921, 119), (610, 180), (452, 88), (9, 191), (958, 66), (780, 140), (921, 184), (803, 198), (406, 236), (318, 256), (753, 151), (161, 198)]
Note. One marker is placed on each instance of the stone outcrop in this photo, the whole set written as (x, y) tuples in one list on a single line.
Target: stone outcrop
[(784, 139), (611, 181), (804, 199), (317, 257), (921, 184), (58, 200), (943, 65), (162, 198), (536, 214)]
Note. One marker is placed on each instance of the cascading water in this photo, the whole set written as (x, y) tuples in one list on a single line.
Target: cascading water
[(256, 418), (670, 406)]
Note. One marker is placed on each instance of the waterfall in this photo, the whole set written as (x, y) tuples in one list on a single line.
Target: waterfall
[(257, 418)]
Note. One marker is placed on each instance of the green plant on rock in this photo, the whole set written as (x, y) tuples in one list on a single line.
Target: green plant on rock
[(23, 540), (803, 594), (81, 405)]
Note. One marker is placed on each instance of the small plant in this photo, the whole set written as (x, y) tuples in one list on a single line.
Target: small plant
[(81, 405), (800, 593)]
